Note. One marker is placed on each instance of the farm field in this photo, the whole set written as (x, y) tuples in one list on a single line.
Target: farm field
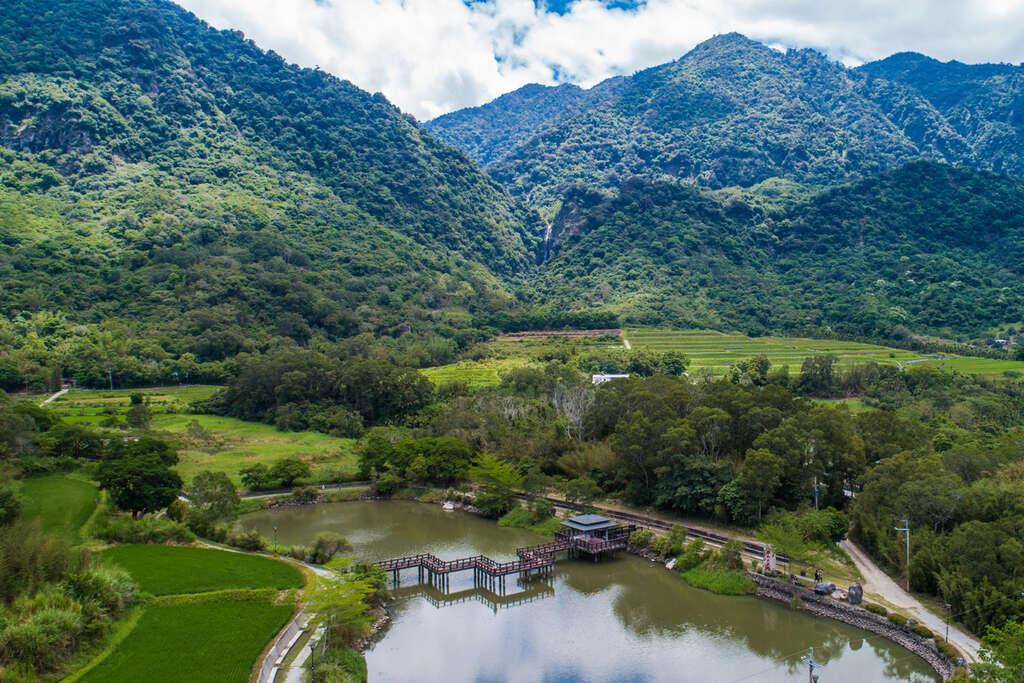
[(167, 570), (61, 504), (192, 633), (485, 373), (219, 444), (718, 350), (217, 642)]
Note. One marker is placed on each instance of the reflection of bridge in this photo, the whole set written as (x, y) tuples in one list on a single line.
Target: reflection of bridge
[(539, 559), (533, 591)]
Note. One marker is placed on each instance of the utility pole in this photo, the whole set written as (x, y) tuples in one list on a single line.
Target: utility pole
[(906, 528), (949, 609), (812, 666), (815, 492)]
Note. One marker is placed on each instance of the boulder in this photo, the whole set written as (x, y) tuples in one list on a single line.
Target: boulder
[(824, 588), (855, 594)]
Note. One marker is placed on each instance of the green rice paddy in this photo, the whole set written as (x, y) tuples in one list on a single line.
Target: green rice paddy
[(167, 570), (719, 350)]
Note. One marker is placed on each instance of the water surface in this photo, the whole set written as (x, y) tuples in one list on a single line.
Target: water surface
[(622, 619)]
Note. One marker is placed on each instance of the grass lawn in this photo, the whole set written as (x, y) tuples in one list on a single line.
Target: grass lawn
[(61, 504), (170, 570), (216, 642), (232, 445), (226, 445)]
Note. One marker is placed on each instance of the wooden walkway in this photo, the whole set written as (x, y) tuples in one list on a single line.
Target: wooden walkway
[(532, 559)]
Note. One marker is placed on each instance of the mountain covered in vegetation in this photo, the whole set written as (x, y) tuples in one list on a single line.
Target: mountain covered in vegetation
[(924, 247), (161, 176), (736, 112)]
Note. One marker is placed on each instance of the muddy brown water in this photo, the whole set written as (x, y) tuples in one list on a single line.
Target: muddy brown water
[(621, 619)]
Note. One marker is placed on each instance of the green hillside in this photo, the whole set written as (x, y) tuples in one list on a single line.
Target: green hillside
[(174, 188), (927, 247)]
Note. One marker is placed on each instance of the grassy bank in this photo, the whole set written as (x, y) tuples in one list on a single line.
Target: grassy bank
[(723, 582), (62, 504)]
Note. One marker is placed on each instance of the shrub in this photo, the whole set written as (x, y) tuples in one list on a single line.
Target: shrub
[(336, 665), (876, 609), (640, 539), (897, 619), (694, 555), (947, 651), (386, 485), (922, 630), (305, 494), (297, 552), (112, 588), (326, 546), (146, 529), (728, 557), (247, 540)]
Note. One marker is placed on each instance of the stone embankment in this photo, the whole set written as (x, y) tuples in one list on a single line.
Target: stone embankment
[(824, 606)]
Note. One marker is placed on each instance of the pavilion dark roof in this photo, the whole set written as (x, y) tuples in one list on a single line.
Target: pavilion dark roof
[(588, 523)]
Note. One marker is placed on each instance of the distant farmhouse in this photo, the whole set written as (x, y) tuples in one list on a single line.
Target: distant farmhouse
[(601, 379)]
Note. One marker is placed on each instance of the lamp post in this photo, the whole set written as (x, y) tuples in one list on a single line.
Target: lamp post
[(812, 666), (275, 538), (949, 609), (906, 528)]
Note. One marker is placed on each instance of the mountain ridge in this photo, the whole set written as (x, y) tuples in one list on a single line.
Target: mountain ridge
[(731, 111)]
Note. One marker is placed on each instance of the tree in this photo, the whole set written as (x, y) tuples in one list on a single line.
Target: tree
[(256, 476), (818, 375), (759, 476), (139, 416), (1002, 657), (501, 480), (582, 490), (140, 480), (287, 470), (213, 494), (64, 440)]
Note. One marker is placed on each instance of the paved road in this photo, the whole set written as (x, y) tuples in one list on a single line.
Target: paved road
[(878, 582), (54, 397)]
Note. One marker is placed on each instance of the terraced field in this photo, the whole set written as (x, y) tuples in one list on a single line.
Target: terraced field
[(718, 350)]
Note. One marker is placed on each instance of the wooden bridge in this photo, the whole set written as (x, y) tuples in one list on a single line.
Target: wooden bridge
[(539, 559)]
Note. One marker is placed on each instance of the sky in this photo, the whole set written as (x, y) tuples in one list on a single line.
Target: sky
[(430, 57)]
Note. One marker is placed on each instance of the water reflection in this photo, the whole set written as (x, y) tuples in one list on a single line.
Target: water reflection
[(529, 590), (616, 620)]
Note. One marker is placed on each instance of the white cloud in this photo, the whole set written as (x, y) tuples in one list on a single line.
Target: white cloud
[(432, 56)]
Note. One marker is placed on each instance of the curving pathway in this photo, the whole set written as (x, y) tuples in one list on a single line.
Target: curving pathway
[(878, 582)]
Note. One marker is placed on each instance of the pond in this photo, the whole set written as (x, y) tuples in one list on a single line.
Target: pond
[(621, 619)]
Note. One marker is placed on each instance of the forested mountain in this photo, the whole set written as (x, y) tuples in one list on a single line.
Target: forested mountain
[(492, 130), (161, 176), (735, 112), (983, 102), (925, 247)]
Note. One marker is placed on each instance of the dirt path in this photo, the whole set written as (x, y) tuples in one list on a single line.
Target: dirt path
[(879, 583)]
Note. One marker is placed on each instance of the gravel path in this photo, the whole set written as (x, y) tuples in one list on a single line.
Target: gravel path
[(878, 582)]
